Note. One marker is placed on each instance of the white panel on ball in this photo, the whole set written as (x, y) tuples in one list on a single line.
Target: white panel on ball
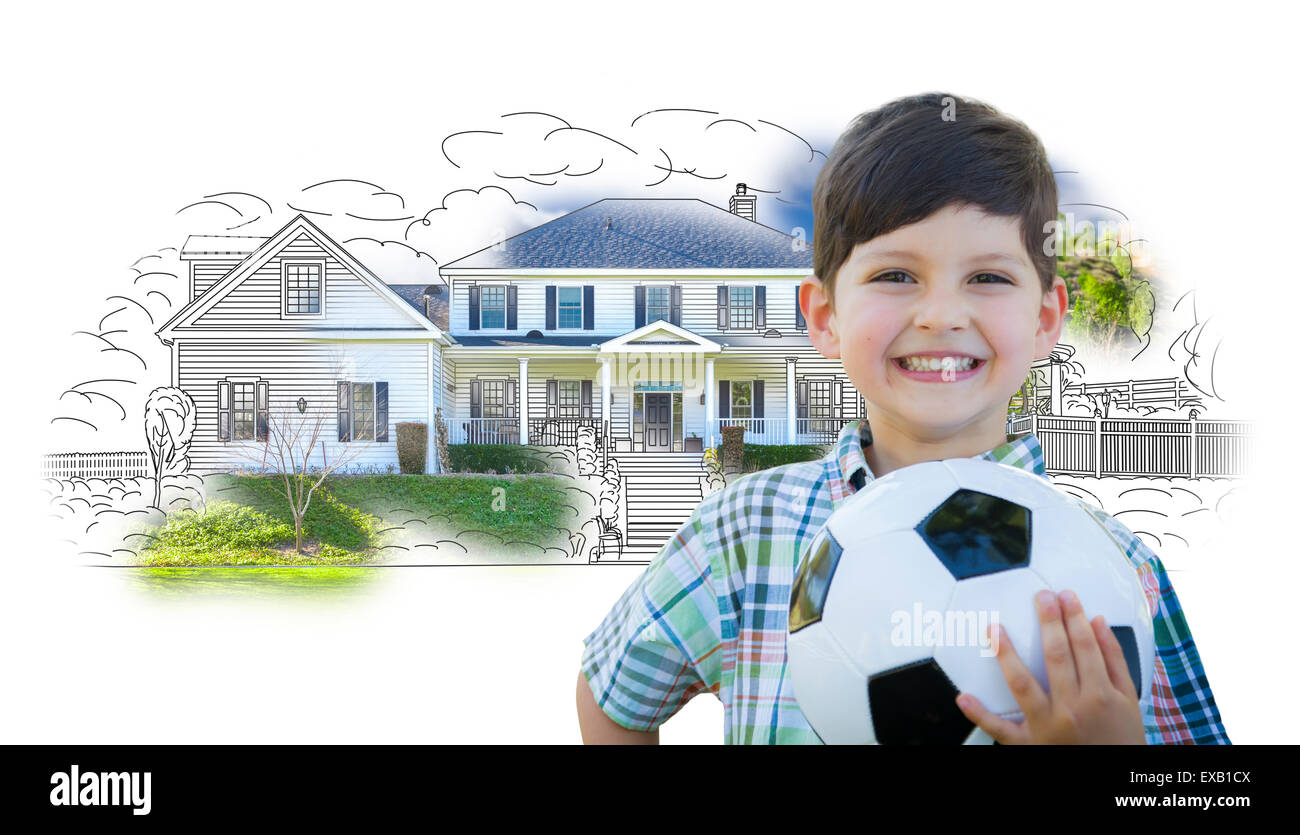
[(892, 504), (837, 706), (1005, 482)]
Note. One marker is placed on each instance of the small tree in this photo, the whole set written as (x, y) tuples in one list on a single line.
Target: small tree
[(168, 427), (293, 437), (440, 441)]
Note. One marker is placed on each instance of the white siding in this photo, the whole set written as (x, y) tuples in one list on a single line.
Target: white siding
[(310, 370), (206, 273), (349, 303)]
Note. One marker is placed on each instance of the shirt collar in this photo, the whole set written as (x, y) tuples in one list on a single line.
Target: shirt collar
[(1022, 451)]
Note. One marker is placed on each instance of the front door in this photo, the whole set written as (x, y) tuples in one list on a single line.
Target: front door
[(658, 422)]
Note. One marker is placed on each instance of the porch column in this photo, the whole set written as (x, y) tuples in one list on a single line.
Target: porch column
[(523, 400), (605, 393), (708, 402), (790, 401)]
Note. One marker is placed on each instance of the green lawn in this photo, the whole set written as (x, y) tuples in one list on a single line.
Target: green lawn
[(248, 522)]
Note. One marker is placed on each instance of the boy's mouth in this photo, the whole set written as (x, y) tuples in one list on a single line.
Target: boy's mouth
[(936, 363)]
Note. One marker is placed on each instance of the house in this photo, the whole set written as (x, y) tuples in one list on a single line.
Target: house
[(657, 321)]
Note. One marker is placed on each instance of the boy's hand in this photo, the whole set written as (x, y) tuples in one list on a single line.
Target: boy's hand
[(1092, 700)]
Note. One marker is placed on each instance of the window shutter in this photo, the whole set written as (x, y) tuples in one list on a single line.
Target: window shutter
[(381, 411), (345, 412), (801, 400), (223, 410), (675, 312), (837, 404), (760, 307), (724, 398), (723, 312), (586, 398), (552, 404), (512, 305), (589, 307), (640, 305), (263, 411), (512, 386), (475, 398), (473, 307), (758, 398), (799, 321), (550, 307)]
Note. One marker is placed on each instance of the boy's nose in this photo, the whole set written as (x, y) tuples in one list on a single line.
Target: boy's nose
[(940, 310)]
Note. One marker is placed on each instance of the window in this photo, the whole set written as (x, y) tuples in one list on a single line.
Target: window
[(570, 307), (742, 399), (658, 303), (570, 398), (243, 409), (304, 287), (742, 307), (363, 411), (819, 399), (492, 307), (493, 398)]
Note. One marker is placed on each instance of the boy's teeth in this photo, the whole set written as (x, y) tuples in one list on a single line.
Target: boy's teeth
[(938, 363)]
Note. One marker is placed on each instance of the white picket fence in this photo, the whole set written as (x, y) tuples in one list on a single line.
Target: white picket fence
[(96, 465)]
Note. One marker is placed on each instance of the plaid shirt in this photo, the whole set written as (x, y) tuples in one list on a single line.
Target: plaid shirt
[(710, 612)]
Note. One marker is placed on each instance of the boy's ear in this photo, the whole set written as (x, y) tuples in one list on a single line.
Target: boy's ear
[(1051, 319), (821, 320)]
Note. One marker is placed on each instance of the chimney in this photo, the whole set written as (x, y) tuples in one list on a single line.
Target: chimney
[(742, 203)]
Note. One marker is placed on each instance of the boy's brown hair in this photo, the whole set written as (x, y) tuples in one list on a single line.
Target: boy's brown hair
[(901, 162)]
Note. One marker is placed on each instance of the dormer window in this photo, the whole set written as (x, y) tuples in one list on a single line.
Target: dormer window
[(303, 287)]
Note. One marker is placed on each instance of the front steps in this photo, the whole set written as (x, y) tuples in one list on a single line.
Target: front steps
[(663, 489)]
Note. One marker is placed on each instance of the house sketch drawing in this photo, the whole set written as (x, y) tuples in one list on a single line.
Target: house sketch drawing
[(617, 343)]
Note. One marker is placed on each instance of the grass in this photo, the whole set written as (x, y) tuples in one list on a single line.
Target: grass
[(248, 522)]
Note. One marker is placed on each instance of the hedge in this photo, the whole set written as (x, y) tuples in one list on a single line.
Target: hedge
[(763, 456), (412, 446), (500, 458)]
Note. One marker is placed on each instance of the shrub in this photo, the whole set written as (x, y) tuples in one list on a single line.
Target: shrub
[(495, 458), (412, 445), (762, 456)]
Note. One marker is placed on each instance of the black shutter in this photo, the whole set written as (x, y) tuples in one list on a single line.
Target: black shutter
[(640, 305), (512, 386), (723, 312), (475, 399), (263, 412), (512, 304), (801, 400), (760, 307), (724, 398), (675, 312), (799, 321), (223, 410), (837, 405), (758, 404), (345, 412), (589, 307), (381, 411), (586, 398), (473, 307), (552, 409), (550, 307)]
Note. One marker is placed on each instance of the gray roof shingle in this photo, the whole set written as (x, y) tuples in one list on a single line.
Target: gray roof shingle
[(414, 296), (627, 233)]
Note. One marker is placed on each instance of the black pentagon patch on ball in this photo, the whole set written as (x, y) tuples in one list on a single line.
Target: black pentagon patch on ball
[(1128, 642), (808, 595), (974, 534), (916, 705)]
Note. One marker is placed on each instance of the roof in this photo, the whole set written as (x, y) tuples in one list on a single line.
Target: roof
[(786, 340), (627, 233), (211, 246), (414, 296)]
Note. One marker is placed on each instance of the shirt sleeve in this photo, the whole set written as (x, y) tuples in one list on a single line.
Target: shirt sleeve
[(659, 645), (1181, 709)]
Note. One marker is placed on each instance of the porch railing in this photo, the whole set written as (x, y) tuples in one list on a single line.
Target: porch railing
[(558, 431), (485, 431), (819, 430), (764, 430)]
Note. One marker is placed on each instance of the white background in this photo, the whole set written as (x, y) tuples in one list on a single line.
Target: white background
[(117, 114)]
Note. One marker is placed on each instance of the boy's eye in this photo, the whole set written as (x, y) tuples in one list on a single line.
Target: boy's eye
[(993, 275), (885, 276), (892, 275)]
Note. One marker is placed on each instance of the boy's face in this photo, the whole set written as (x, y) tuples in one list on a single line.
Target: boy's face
[(937, 286)]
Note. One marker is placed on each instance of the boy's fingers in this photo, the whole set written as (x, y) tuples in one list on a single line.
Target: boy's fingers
[(1024, 687), (1062, 679), (1089, 664), (1002, 730), (1116, 666)]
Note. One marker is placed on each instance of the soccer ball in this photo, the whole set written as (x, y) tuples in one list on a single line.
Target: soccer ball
[(890, 605)]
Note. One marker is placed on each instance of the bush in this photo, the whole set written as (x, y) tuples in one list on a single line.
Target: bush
[(495, 458), (412, 447), (762, 456)]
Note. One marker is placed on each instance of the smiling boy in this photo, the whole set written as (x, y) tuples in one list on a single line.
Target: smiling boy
[(935, 290)]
